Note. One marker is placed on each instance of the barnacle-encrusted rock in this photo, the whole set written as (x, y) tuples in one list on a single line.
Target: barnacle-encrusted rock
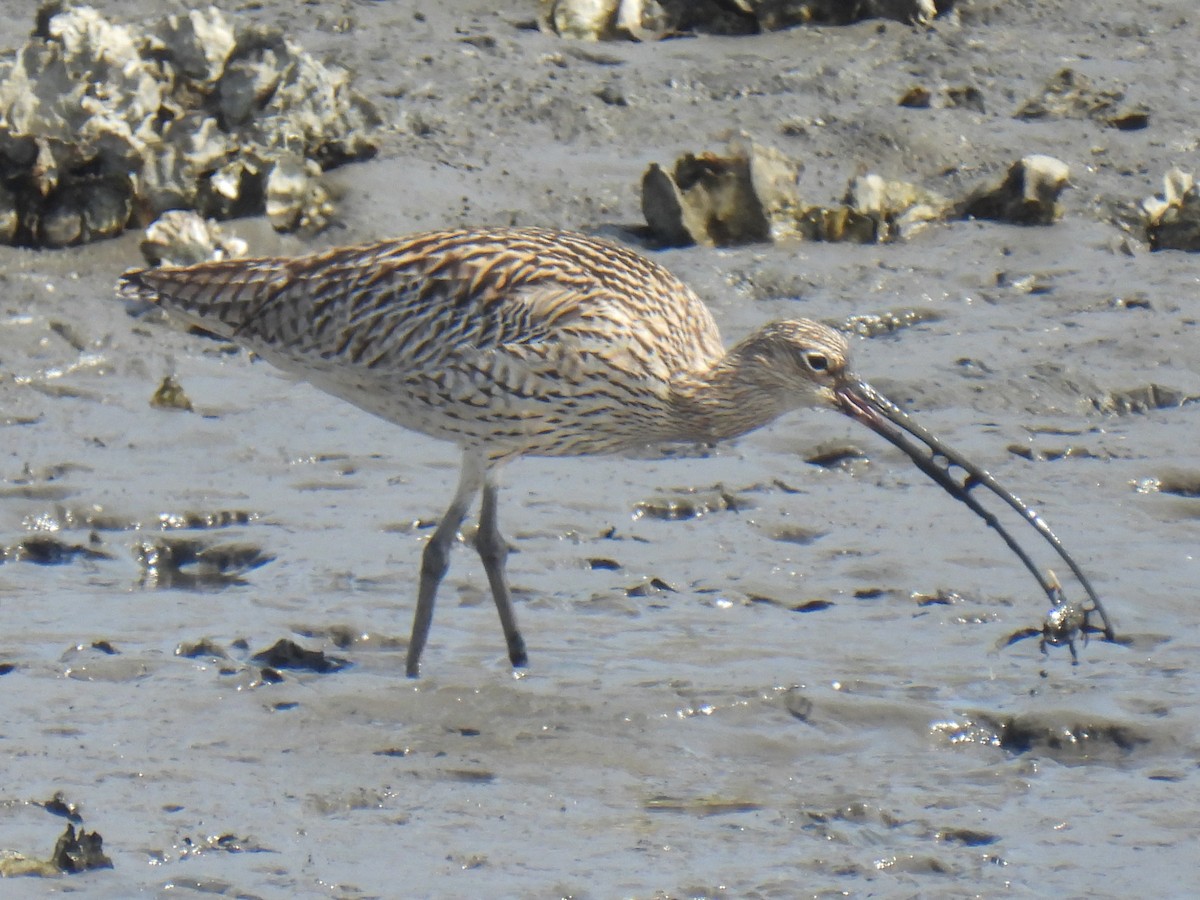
[(750, 195), (874, 210), (600, 20), (73, 853), (746, 196), (775, 14), (296, 199), (180, 237), (603, 20), (1028, 195), (103, 124), (1172, 218)]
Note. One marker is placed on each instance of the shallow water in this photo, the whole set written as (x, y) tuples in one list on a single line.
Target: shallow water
[(684, 729)]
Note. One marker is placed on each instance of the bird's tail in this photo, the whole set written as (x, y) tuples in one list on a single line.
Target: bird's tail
[(220, 297)]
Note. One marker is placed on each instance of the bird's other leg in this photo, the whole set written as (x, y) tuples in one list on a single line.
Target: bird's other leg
[(436, 558), (493, 550)]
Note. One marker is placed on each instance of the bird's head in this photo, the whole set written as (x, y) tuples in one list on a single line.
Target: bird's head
[(798, 361)]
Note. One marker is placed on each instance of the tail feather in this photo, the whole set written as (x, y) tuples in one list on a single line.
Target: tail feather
[(220, 297)]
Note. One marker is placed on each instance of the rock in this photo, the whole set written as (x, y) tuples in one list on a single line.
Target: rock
[(1172, 218), (750, 195), (102, 123), (180, 238), (1028, 195), (773, 15), (745, 196), (897, 209), (606, 20), (296, 199)]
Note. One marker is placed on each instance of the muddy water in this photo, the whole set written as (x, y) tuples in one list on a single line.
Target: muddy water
[(752, 701)]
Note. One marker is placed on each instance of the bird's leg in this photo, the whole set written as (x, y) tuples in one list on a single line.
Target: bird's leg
[(493, 550), (436, 559)]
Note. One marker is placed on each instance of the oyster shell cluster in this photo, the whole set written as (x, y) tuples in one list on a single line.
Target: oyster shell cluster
[(645, 20), (750, 194), (1172, 218), (104, 126)]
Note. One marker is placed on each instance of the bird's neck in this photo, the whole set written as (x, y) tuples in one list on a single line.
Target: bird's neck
[(721, 403)]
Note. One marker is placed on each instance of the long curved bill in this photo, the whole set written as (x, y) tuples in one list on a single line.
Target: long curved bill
[(863, 403)]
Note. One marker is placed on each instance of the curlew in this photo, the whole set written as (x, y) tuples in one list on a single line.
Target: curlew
[(530, 342)]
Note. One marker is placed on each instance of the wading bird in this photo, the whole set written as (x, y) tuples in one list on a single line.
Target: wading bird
[(530, 342)]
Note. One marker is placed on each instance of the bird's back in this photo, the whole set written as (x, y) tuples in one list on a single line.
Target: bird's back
[(515, 339)]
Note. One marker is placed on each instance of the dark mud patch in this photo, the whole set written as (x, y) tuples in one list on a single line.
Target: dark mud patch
[(205, 648), (803, 606), (651, 587), (287, 654), (45, 550), (1062, 736), (837, 455), (691, 503), (188, 563)]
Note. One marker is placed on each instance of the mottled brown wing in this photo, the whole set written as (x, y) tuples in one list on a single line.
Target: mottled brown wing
[(415, 302)]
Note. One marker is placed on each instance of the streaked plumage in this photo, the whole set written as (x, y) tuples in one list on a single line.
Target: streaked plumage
[(517, 342)]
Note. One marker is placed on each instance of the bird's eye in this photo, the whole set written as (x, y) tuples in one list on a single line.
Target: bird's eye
[(817, 362)]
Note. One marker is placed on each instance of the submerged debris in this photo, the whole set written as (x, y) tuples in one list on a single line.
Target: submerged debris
[(1028, 195), (103, 125), (1172, 218)]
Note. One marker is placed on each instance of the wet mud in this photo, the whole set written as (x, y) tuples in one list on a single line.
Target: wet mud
[(781, 667)]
